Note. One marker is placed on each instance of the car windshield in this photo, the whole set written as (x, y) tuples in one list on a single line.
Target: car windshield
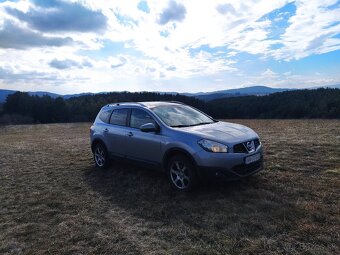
[(181, 116)]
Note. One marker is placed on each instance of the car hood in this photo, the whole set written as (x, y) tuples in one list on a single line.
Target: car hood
[(224, 132)]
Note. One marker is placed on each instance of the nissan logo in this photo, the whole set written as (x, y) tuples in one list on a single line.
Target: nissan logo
[(250, 146)]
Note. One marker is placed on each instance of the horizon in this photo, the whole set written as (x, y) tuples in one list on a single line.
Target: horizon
[(167, 46), (334, 86)]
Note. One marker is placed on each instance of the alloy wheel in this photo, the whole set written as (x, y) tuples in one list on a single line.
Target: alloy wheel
[(179, 175), (99, 156)]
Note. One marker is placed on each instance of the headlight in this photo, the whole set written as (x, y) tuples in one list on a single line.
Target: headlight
[(212, 146)]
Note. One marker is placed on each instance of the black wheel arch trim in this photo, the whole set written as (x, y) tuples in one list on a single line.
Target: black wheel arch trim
[(173, 151), (95, 141)]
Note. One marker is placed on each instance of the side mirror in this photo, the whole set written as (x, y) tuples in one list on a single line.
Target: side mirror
[(148, 127)]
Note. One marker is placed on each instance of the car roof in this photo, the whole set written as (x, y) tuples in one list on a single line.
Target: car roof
[(152, 104), (149, 104)]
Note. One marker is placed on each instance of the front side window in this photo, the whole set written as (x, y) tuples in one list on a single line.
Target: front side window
[(139, 118), (118, 117), (181, 116)]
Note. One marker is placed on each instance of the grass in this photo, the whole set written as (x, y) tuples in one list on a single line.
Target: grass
[(53, 200)]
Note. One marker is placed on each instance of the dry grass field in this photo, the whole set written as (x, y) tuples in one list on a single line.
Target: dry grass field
[(53, 200)]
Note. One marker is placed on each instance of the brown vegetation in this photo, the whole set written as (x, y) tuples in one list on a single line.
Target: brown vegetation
[(53, 200)]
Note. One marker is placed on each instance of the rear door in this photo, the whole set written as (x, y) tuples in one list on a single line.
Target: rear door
[(143, 146), (116, 132)]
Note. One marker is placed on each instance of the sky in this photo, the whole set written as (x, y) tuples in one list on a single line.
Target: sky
[(172, 46)]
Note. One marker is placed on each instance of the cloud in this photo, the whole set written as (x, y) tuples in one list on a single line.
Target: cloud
[(69, 63), (167, 45), (150, 69), (173, 12), (64, 64), (13, 76), (15, 37), (171, 68), (225, 8), (121, 61), (54, 16), (269, 74), (87, 63), (310, 31)]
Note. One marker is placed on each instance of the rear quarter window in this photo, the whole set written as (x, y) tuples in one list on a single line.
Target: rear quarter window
[(119, 117), (105, 116)]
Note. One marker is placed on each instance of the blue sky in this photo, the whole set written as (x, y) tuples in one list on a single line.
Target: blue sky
[(180, 46)]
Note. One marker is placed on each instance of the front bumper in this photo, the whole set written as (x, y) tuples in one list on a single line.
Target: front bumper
[(233, 172), (227, 166)]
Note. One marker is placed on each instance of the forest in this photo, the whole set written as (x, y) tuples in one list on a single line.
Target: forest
[(22, 108)]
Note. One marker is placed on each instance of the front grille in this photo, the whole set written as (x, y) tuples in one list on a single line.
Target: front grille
[(241, 147), (247, 169)]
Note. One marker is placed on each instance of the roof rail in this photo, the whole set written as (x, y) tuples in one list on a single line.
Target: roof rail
[(128, 103), (177, 102)]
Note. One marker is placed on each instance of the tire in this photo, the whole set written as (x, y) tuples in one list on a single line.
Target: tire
[(100, 156), (181, 173)]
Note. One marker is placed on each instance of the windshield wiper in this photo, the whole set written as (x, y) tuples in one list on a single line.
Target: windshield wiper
[(203, 123), (181, 126), (192, 125)]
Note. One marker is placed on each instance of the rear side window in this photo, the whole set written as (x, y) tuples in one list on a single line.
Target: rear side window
[(139, 118), (105, 116), (118, 117)]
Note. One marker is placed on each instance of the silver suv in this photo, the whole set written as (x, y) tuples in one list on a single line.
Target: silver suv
[(182, 141)]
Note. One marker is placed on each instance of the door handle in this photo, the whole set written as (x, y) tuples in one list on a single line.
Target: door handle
[(106, 130), (129, 134)]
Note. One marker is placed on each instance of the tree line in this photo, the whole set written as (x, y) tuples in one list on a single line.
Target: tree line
[(21, 107), (316, 103)]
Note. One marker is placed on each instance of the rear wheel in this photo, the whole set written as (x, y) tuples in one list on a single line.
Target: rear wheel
[(100, 156), (181, 173)]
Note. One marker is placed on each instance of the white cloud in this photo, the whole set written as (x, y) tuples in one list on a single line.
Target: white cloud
[(269, 74), (201, 45), (310, 31), (290, 79)]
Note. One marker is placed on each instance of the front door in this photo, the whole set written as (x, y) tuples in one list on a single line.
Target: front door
[(143, 146)]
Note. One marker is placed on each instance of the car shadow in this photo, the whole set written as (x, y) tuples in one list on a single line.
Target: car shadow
[(124, 179), (146, 194)]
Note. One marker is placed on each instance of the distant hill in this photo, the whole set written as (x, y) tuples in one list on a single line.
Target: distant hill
[(336, 86), (5, 93), (79, 95), (204, 96), (248, 91), (43, 93)]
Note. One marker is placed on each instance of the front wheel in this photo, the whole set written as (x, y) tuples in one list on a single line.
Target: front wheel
[(100, 156), (181, 173)]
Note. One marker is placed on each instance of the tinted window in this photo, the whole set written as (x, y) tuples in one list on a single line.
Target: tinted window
[(139, 118), (118, 117), (181, 115), (105, 116)]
